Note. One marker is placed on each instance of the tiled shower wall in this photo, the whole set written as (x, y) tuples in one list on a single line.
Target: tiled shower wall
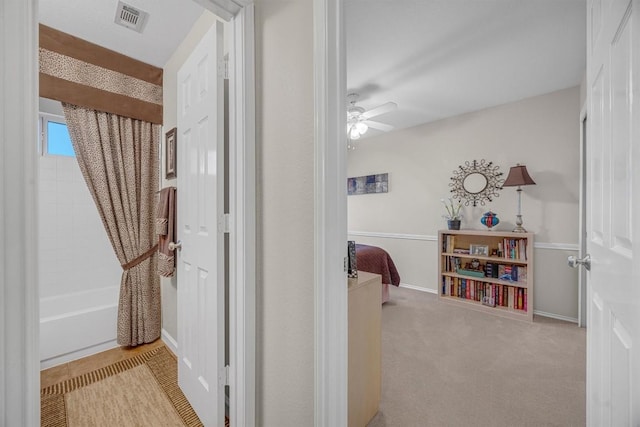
[(75, 254), (79, 275)]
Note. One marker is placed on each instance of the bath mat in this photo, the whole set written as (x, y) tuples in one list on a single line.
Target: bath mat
[(139, 391)]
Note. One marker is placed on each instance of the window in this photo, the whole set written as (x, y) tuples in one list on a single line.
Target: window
[(55, 136)]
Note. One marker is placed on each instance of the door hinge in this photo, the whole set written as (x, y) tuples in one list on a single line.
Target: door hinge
[(223, 68), (346, 264), (223, 377), (224, 223)]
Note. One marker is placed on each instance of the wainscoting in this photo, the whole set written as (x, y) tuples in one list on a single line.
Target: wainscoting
[(416, 256)]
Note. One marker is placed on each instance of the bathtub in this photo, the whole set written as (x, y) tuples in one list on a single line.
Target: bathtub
[(76, 325)]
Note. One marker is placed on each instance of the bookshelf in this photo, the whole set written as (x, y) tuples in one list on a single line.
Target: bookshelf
[(489, 271)]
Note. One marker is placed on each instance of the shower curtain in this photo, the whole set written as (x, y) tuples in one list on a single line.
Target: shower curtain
[(118, 157)]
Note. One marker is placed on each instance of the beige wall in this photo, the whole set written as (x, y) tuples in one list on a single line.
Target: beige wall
[(284, 121), (541, 132), (284, 73)]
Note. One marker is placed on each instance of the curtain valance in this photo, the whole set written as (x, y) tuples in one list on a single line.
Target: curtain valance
[(81, 73)]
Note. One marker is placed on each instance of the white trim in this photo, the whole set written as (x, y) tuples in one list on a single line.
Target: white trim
[(536, 312), (418, 288), (394, 235), (428, 238), (330, 220), (19, 308), (170, 342), (242, 242), (555, 316), (557, 246), (225, 9)]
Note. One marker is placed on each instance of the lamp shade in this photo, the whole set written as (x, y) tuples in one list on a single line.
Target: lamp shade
[(518, 175)]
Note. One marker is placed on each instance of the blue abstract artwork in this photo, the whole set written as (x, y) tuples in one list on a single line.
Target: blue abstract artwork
[(368, 184)]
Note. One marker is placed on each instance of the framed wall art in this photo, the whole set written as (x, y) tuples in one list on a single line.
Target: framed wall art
[(368, 184), (170, 154)]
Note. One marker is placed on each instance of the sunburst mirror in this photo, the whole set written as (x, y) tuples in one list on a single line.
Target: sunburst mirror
[(476, 182)]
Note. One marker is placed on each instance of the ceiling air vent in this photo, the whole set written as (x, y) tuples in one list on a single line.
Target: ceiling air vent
[(130, 17)]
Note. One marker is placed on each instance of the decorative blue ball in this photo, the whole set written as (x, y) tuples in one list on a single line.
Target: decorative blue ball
[(489, 220)]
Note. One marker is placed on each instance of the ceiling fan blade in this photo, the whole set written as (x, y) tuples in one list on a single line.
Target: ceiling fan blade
[(384, 108), (379, 126)]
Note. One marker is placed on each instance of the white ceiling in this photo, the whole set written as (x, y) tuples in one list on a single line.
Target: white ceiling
[(442, 58), (434, 58), (93, 20)]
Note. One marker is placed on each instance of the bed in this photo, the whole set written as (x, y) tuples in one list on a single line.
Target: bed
[(376, 260)]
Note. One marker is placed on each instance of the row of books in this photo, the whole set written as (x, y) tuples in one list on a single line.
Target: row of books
[(508, 248), (495, 270), (487, 293), (449, 243), (513, 249), (513, 273)]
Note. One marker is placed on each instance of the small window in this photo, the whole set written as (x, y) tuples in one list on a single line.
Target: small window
[(55, 136)]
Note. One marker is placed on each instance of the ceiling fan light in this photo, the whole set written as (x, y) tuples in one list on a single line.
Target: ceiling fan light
[(362, 127), (353, 133)]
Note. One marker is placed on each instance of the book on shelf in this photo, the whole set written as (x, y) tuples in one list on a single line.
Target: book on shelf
[(472, 273), (513, 249), (521, 273), (450, 243), (461, 251), (491, 294)]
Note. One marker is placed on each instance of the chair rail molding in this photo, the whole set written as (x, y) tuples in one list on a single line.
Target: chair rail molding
[(429, 238)]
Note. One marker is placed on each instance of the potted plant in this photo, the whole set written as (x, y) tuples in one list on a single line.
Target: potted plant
[(454, 214)]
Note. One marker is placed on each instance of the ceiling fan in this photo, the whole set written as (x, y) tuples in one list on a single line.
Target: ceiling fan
[(358, 118)]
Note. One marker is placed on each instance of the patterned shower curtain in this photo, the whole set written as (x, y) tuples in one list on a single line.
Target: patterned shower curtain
[(118, 157)]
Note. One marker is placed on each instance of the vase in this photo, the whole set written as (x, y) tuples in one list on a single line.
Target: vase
[(489, 220), (454, 224)]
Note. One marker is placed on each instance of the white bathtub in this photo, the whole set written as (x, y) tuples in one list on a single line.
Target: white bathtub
[(76, 325)]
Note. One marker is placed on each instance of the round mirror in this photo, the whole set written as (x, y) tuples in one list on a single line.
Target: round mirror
[(476, 182)]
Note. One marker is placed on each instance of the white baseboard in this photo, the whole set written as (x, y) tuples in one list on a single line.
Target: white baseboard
[(170, 342), (536, 312), (418, 288), (555, 316)]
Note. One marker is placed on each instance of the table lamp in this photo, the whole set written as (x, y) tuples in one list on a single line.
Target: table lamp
[(518, 176)]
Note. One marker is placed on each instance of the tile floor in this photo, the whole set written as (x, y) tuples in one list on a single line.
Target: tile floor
[(90, 363)]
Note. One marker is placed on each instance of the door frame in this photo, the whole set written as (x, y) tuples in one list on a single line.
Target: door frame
[(330, 222), (242, 209), (19, 309)]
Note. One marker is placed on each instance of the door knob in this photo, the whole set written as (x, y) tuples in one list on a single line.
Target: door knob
[(175, 245), (575, 262)]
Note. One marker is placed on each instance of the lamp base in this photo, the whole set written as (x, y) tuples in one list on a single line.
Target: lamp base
[(519, 228)]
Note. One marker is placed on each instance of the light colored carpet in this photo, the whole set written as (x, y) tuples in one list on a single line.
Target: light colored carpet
[(140, 391), (448, 366)]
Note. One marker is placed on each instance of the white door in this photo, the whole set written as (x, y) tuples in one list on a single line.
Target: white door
[(200, 205), (613, 224)]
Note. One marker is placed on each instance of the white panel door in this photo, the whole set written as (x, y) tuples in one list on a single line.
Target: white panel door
[(613, 225), (200, 204)]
